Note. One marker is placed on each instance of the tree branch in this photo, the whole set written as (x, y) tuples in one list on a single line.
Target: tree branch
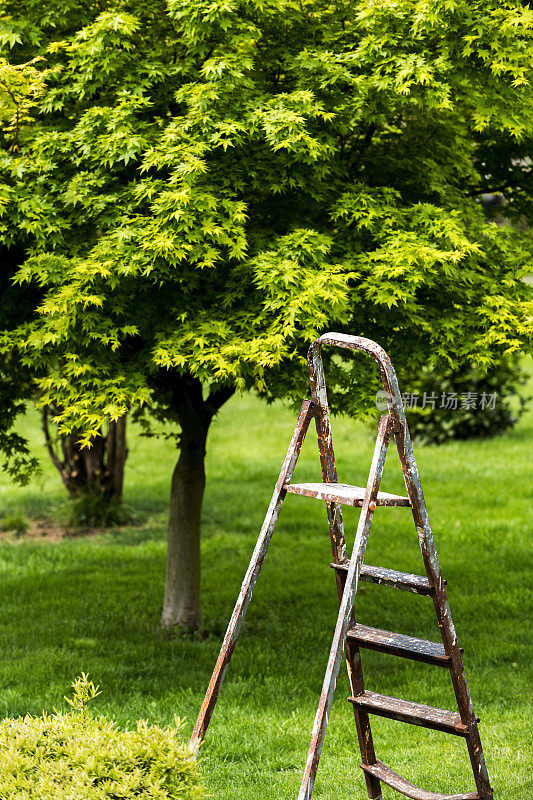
[(218, 397), (59, 465)]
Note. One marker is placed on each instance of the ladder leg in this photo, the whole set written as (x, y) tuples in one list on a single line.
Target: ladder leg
[(306, 412), (345, 611), (362, 720), (462, 694), (442, 608), (327, 462), (338, 549)]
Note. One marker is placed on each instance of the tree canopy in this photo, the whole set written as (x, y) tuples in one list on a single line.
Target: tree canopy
[(200, 187)]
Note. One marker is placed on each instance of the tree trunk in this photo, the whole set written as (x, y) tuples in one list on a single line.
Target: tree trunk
[(117, 453), (97, 471), (181, 605)]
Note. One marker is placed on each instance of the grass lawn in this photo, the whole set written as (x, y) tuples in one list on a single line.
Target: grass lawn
[(93, 603)]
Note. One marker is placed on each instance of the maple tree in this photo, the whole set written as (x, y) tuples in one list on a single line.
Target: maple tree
[(201, 187)]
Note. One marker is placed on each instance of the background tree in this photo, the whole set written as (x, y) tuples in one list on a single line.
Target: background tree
[(207, 185), (93, 477)]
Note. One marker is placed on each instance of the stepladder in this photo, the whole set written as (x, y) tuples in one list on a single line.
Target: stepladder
[(349, 637)]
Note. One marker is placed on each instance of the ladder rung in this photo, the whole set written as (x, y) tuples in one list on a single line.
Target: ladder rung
[(398, 644), (343, 493), (390, 577), (384, 773), (415, 713)]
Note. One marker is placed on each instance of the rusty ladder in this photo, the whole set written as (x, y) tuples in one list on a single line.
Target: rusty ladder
[(350, 636)]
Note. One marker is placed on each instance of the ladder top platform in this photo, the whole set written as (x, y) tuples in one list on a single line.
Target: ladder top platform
[(343, 493)]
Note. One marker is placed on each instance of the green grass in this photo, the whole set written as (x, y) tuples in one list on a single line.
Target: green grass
[(93, 604)]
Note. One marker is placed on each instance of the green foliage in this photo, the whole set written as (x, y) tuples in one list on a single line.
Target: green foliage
[(75, 755), (20, 87), (83, 691), (14, 521), (94, 510), (487, 404), (203, 187), (16, 457)]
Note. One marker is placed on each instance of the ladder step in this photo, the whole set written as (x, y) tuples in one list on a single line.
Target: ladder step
[(390, 577), (343, 493), (415, 713), (398, 644), (384, 773)]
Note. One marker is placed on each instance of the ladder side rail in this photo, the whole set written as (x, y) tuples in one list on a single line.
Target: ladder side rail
[(361, 716), (345, 611), (307, 410), (443, 612), (442, 607), (327, 455), (352, 652), (338, 548)]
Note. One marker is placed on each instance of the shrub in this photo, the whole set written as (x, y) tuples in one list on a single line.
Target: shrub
[(75, 756), (94, 510), (487, 405), (15, 522)]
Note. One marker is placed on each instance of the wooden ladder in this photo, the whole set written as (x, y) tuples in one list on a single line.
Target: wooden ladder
[(349, 637)]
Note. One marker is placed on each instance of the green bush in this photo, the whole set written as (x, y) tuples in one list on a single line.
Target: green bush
[(466, 403), (15, 522), (94, 510), (74, 756)]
